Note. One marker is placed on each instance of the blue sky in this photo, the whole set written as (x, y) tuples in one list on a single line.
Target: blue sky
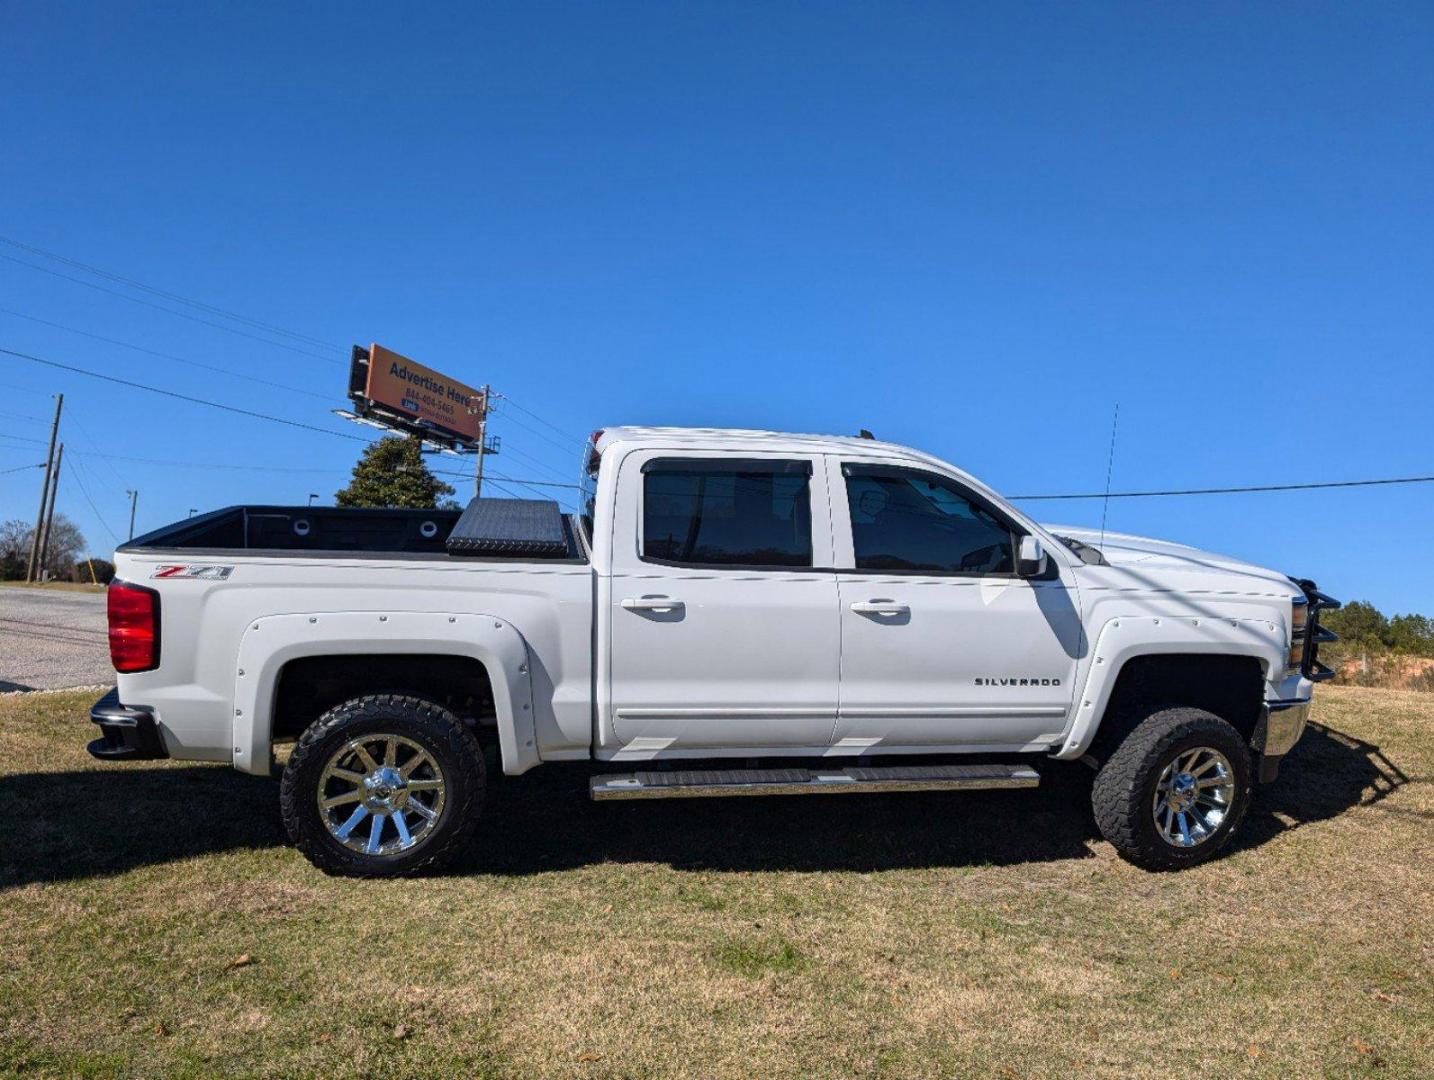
[(972, 229)]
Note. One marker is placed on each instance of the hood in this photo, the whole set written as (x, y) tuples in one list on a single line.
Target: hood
[(1124, 550)]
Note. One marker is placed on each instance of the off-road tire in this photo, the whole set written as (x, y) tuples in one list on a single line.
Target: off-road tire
[(1124, 789), (441, 733)]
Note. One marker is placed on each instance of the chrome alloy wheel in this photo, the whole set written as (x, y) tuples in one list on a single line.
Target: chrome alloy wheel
[(373, 780), (1193, 796)]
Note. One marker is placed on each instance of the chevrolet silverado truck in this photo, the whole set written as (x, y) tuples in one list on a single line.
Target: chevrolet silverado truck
[(731, 612)]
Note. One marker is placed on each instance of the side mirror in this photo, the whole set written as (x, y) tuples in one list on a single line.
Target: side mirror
[(1030, 558)]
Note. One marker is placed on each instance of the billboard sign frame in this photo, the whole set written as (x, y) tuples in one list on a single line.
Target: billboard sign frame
[(402, 394)]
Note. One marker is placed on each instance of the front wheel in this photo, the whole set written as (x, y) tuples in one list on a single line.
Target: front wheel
[(384, 785), (1174, 792)]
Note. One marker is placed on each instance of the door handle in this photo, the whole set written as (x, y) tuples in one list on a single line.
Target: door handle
[(880, 607), (651, 603)]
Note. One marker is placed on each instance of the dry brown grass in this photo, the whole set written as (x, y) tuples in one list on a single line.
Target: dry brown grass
[(913, 936)]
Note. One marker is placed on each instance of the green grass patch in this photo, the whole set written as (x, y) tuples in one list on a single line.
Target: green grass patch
[(759, 957)]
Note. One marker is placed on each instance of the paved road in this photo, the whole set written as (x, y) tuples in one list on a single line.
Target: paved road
[(50, 640)]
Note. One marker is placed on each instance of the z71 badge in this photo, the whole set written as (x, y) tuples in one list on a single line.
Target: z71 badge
[(204, 573)]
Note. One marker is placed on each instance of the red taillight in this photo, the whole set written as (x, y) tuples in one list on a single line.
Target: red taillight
[(594, 458), (134, 627)]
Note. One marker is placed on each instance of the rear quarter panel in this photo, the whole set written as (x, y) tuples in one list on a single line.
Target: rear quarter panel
[(203, 624)]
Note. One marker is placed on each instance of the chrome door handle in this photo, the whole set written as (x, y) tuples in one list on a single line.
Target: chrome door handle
[(880, 607), (651, 603)]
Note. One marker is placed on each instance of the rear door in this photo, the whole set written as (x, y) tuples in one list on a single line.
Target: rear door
[(722, 634), (942, 644)]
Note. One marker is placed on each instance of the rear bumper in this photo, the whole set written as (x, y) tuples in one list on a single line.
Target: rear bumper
[(127, 732)]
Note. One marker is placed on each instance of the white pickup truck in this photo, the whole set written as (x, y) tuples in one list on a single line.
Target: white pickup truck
[(733, 612)]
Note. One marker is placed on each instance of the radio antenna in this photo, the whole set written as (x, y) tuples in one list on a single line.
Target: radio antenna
[(1109, 466)]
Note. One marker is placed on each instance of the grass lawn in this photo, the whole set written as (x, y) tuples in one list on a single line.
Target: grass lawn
[(154, 923)]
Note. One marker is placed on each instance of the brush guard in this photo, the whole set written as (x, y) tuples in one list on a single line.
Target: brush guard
[(1313, 634)]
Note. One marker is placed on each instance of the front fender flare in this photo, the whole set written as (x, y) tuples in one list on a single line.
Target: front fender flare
[(272, 641), (1128, 636)]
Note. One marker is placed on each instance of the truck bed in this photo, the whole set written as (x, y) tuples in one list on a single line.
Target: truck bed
[(511, 529)]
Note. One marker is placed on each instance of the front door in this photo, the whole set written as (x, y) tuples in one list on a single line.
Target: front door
[(722, 633), (942, 644)]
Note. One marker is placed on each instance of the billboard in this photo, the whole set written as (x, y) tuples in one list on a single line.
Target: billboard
[(428, 401)]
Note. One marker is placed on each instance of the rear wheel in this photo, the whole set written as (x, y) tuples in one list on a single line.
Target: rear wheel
[(381, 786), (1175, 790)]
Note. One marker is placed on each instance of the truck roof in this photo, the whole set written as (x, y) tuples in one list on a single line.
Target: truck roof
[(739, 438)]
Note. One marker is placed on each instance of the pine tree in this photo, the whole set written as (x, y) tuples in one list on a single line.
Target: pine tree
[(392, 473)]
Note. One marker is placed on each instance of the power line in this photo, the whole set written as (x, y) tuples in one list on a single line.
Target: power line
[(22, 468), (22, 416), (85, 492), (531, 486), (565, 448), (179, 396), (25, 390), (1235, 490), (164, 355), (535, 416), (536, 462), (85, 432), (201, 305), (506, 491), (171, 311), (1254, 488), (562, 501), (509, 479), (211, 465)]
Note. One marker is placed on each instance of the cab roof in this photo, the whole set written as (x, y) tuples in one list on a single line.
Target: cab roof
[(744, 438)]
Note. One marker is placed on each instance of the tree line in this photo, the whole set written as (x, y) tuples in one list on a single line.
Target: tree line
[(65, 559), (1364, 629)]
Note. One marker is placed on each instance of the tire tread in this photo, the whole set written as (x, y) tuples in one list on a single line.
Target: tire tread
[(444, 727), (1119, 795)]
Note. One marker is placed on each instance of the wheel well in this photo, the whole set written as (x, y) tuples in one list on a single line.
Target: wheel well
[(1231, 687), (310, 686)]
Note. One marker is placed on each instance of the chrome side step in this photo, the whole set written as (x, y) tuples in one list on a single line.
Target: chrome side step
[(697, 783)]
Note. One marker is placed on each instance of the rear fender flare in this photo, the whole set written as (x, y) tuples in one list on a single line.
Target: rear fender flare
[(272, 641)]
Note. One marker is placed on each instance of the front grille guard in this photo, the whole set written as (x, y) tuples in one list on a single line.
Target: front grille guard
[(1314, 634)]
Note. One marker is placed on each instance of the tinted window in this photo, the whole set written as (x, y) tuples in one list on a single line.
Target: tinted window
[(587, 494), (907, 520), (750, 513)]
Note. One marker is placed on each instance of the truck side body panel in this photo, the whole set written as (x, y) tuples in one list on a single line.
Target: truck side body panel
[(207, 625), (781, 661)]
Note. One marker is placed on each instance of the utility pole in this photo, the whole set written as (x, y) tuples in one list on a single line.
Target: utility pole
[(133, 500), (50, 514), (31, 571), (482, 443)]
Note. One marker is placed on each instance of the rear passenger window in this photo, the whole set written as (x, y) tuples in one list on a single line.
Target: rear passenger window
[(727, 513)]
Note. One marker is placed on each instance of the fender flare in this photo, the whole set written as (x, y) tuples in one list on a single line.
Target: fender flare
[(271, 641), (1126, 637)]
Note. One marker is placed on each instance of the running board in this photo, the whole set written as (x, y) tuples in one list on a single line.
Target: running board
[(693, 783)]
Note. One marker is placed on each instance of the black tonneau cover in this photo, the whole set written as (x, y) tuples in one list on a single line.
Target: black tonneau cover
[(531, 528)]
